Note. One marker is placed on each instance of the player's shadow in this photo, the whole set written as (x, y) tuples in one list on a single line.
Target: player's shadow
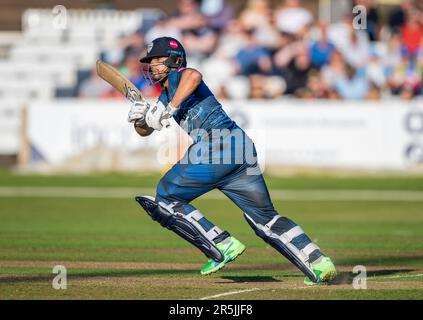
[(348, 277), (377, 260), (25, 278), (244, 279), (342, 278), (98, 273)]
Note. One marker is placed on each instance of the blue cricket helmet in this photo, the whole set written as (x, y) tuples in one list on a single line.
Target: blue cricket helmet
[(166, 47)]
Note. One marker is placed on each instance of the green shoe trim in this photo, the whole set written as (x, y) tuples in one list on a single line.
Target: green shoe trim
[(230, 252)]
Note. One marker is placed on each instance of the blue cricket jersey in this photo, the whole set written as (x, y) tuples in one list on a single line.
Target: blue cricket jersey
[(200, 110)]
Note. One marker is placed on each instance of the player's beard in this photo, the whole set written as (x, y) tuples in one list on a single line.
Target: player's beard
[(159, 76), (154, 77)]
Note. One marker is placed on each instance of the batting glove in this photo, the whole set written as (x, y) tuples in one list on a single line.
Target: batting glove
[(138, 111), (157, 116)]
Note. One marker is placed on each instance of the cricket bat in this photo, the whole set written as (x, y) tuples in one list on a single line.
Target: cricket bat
[(122, 84)]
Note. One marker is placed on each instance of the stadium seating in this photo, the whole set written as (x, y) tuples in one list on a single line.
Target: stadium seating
[(46, 56)]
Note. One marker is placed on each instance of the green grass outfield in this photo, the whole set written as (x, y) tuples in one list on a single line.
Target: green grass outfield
[(113, 250)]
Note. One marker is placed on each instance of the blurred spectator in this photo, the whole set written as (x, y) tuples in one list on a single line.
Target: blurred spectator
[(352, 86), (257, 86), (315, 89), (353, 44), (198, 38), (221, 93), (188, 16), (258, 16), (163, 28), (374, 93), (375, 70), (321, 49), (394, 51), (217, 13), (333, 94), (408, 92), (255, 14), (253, 58), (334, 70), (292, 47), (264, 87), (406, 76), (297, 71), (94, 87), (126, 44), (269, 51), (412, 33), (292, 18), (135, 40), (231, 41), (293, 64), (132, 69), (398, 15), (372, 18), (199, 43)]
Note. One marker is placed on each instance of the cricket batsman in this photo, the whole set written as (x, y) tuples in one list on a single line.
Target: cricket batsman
[(221, 157)]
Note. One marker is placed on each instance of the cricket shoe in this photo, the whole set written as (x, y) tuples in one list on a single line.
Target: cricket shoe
[(231, 248), (324, 270)]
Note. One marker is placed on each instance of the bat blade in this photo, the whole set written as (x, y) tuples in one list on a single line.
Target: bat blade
[(115, 78), (122, 84)]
